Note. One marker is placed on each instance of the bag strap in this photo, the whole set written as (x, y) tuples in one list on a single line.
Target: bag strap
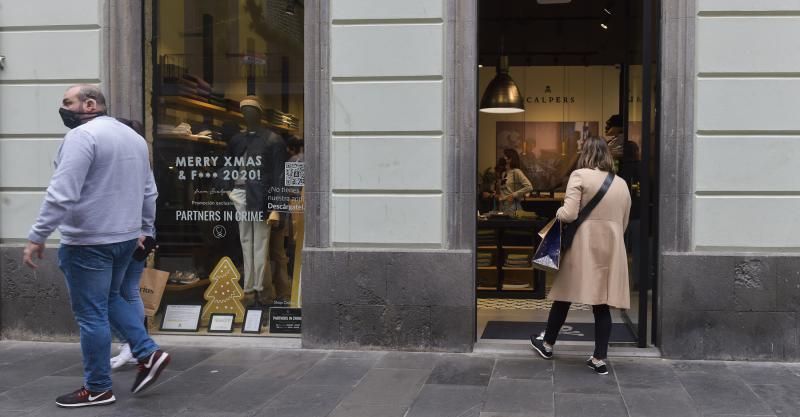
[(595, 200)]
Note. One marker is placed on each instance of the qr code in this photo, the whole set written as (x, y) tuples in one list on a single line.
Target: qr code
[(295, 174)]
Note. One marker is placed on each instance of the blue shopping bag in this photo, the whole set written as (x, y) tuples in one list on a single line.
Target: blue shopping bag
[(548, 254)]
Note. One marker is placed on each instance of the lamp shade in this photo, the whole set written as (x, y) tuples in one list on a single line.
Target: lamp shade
[(502, 95)]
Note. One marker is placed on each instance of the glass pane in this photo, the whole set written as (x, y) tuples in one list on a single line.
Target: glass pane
[(228, 153)]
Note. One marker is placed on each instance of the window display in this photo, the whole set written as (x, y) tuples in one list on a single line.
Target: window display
[(227, 110)]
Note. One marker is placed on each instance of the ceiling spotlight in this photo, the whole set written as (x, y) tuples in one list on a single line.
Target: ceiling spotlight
[(480, 65), (604, 24), (607, 11)]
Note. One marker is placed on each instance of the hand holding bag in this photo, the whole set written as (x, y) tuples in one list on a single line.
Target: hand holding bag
[(548, 254)]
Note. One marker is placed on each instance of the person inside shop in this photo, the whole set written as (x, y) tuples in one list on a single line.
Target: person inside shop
[(512, 186), (594, 270), (615, 134), (295, 148), (263, 154)]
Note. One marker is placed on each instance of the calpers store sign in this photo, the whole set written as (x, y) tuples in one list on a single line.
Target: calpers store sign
[(549, 98)]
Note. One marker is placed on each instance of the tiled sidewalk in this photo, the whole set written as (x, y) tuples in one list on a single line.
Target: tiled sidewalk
[(204, 381)]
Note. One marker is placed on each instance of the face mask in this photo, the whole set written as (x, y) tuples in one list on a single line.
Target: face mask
[(72, 119)]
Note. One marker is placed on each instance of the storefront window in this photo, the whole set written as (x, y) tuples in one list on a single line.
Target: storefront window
[(227, 112)]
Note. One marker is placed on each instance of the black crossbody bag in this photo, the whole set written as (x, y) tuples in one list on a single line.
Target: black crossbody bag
[(569, 229)]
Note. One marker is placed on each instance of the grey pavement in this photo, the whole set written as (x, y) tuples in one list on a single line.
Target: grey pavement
[(216, 382)]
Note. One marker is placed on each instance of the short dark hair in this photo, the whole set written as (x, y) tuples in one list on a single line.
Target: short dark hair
[(614, 121), (294, 143)]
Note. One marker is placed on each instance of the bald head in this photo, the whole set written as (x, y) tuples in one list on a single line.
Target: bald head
[(86, 95)]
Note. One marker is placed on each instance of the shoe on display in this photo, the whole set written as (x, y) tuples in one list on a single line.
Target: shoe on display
[(124, 357), (150, 369), (82, 397), (537, 343), (597, 365)]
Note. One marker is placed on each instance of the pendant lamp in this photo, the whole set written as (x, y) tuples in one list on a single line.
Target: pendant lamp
[(502, 95)]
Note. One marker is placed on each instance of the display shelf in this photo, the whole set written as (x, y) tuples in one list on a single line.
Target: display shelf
[(505, 247), (219, 111), (213, 142), (184, 287), (515, 268), (487, 268)]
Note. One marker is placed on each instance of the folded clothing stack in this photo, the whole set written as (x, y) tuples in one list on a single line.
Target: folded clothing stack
[(518, 260), (279, 118), (486, 238), (484, 259)]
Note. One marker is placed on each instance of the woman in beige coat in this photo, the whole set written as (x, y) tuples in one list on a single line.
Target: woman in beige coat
[(595, 268)]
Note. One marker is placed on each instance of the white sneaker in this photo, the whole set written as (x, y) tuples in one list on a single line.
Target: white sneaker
[(125, 356)]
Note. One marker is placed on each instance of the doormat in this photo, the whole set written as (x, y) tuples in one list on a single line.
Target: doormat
[(576, 332)]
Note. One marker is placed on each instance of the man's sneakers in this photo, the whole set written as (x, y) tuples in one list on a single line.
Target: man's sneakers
[(125, 357), (537, 342), (150, 369), (597, 365), (83, 398)]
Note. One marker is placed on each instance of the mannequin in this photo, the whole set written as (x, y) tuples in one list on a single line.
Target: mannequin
[(264, 153)]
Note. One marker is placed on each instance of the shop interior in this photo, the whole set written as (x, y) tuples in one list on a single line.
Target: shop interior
[(552, 73), (227, 128)]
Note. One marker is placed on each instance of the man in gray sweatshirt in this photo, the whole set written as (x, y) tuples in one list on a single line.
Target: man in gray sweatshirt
[(102, 199)]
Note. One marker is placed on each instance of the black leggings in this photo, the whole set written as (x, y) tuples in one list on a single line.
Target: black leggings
[(602, 326)]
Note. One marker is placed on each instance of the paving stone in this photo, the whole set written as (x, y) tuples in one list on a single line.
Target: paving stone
[(43, 363), (366, 410), (355, 354), (305, 401), (178, 393), (462, 370), (408, 360), (535, 398), (659, 402), (336, 372), (571, 375), (37, 393), (396, 387), (594, 405), (447, 401), (765, 373), (184, 358), (646, 374), (523, 369), (784, 400), (242, 396), (722, 393), (237, 356), (287, 364)]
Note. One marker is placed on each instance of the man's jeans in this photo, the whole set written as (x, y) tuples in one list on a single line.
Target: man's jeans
[(95, 275)]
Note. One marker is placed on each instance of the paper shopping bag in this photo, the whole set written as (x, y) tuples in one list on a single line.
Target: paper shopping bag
[(151, 289), (548, 254)]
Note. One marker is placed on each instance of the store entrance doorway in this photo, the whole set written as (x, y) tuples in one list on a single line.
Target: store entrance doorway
[(550, 75)]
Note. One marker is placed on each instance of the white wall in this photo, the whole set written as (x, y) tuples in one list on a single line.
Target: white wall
[(747, 143), (387, 122), (49, 45)]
